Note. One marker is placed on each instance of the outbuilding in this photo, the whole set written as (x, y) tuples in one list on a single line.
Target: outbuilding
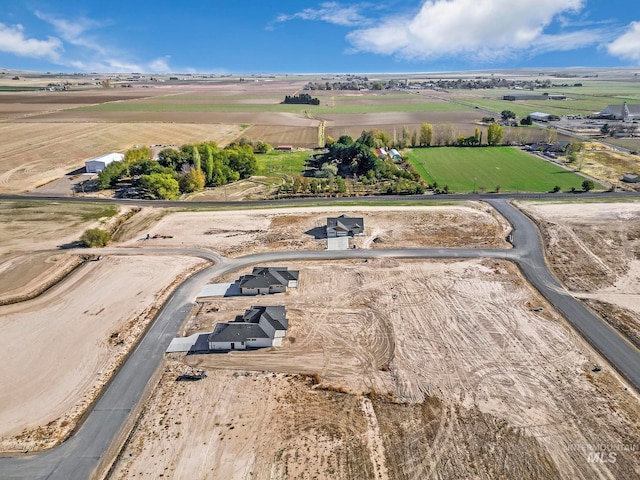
[(97, 164)]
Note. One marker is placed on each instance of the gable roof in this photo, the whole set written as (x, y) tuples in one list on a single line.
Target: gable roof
[(274, 315), (349, 224), (263, 277), (248, 325), (236, 332)]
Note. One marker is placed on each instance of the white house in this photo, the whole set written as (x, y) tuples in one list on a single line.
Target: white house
[(97, 164), (259, 327)]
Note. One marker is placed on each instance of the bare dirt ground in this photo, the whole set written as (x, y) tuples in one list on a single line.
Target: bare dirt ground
[(235, 233), (34, 154), (594, 248), (60, 348), (434, 369)]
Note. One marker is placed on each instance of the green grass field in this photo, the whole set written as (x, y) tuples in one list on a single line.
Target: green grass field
[(510, 168), (281, 163)]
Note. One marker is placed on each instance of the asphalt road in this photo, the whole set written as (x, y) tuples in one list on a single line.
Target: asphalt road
[(78, 457)]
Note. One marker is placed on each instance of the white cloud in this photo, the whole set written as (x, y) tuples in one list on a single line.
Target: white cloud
[(481, 30), (92, 51), (627, 46), (14, 40), (159, 65), (330, 12)]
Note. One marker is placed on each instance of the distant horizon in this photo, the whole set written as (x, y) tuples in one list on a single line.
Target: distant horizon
[(549, 70), (399, 36)]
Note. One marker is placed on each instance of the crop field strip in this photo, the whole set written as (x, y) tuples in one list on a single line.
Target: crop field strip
[(508, 167), (267, 107)]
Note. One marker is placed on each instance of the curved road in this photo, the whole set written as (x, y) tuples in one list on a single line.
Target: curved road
[(80, 456)]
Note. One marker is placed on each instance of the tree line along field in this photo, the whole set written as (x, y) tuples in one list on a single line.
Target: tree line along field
[(507, 167)]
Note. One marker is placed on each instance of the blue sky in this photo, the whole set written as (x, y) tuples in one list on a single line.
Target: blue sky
[(211, 36)]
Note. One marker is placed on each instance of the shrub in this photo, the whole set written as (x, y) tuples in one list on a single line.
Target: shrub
[(588, 185), (95, 237)]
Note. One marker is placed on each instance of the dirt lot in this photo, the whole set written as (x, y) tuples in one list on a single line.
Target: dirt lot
[(60, 348), (406, 362), (236, 233), (595, 250)]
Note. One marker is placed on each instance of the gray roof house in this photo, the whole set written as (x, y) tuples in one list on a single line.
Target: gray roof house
[(344, 226), (631, 178), (624, 112), (258, 327), (265, 280)]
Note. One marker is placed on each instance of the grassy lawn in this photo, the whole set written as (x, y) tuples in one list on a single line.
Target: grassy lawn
[(510, 168), (281, 163)]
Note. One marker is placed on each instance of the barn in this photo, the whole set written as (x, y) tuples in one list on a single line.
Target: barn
[(97, 164)]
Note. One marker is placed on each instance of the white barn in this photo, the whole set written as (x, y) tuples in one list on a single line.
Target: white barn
[(97, 164)]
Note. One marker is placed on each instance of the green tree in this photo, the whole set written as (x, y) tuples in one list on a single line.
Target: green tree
[(242, 160), (196, 158), (494, 134), (426, 134), (112, 174), (136, 154), (588, 185), (262, 147), (345, 140), (526, 121), (192, 181), (160, 185), (477, 135), (170, 157), (383, 137), (146, 167), (208, 164), (95, 237), (406, 137), (507, 114)]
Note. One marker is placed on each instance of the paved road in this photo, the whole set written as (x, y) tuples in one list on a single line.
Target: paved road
[(322, 200), (78, 457)]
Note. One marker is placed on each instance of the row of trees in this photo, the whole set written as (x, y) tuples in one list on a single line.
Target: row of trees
[(302, 99), (184, 170)]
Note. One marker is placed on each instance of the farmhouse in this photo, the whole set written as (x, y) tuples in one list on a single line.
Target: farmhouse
[(258, 327), (265, 280), (624, 112), (381, 153), (344, 226), (97, 164)]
